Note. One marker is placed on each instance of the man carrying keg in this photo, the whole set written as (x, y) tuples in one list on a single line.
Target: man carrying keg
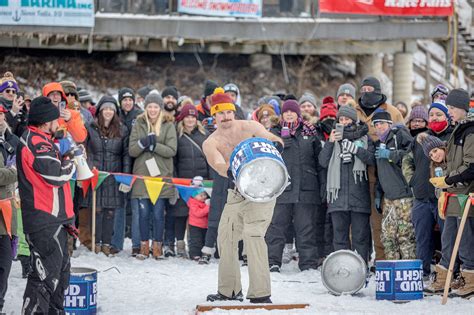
[(241, 218)]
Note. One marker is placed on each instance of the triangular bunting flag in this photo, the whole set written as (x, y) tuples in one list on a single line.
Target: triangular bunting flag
[(181, 181), (186, 192), (209, 191), (153, 187), (6, 210), (98, 178), (462, 199), (125, 179), (207, 183), (72, 184), (85, 186)]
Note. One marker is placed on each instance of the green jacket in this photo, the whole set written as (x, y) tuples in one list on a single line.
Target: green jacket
[(460, 154), (165, 150), (23, 248), (7, 188)]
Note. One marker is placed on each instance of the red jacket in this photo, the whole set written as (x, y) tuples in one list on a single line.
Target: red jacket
[(43, 182), (198, 213)]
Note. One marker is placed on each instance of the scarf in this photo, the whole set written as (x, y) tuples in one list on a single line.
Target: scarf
[(308, 128), (292, 126), (359, 170)]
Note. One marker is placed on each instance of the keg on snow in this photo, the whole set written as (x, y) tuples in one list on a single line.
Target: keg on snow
[(344, 272), (80, 297)]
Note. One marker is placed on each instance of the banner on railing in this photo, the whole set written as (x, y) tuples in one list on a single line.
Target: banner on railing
[(235, 8), (78, 13), (389, 7)]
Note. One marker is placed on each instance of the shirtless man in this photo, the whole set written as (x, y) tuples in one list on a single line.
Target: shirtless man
[(241, 218)]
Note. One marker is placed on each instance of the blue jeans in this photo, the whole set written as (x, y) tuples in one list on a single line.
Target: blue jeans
[(135, 205), (157, 211), (424, 216), (119, 229)]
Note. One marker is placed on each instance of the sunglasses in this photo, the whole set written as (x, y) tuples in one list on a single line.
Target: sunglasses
[(10, 91), (70, 94)]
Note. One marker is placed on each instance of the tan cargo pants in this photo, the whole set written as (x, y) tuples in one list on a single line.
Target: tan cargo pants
[(243, 219)]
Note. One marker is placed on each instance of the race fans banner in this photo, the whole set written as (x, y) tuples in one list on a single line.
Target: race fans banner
[(236, 8), (389, 7), (79, 13)]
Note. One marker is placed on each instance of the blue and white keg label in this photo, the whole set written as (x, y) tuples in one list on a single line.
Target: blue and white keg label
[(80, 296)]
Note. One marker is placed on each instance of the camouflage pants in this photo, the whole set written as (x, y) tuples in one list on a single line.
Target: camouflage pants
[(398, 235)]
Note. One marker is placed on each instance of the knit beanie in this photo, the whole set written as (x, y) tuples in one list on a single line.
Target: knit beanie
[(291, 105), (69, 87), (381, 116), (308, 97), (265, 110), (346, 88), (231, 87), (8, 82), (85, 96), (107, 101), (441, 107), (54, 87), (418, 112), (429, 142), (373, 82), (209, 88), (126, 92), (170, 90), (144, 91), (328, 108), (347, 111), (197, 192), (187, 110), (221, 102), (42, 110), (458, 98), (154, 98)]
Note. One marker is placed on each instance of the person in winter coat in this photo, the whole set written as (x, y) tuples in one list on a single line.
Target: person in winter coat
[(309, 108), (345, 93), (371, 98), (153, 144), (346, 157), (129, 111), (47, 209), (170, 97), (416, 169), (107, 150), (188, 163), (327, 118), (301, 199), (8, 178), (70, 120), (73, 102), (266, 116), (233, 91), (418, 120), (87, 103), (457, 184), (198, 219), (398, 236)]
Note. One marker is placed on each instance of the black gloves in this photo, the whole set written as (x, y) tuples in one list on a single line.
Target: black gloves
[(148, 143)]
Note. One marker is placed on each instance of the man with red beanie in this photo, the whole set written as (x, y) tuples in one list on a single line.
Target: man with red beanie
[(327, 117), (241, 218)]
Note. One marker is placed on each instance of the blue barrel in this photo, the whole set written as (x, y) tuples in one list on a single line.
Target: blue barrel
[(259, 171), (399, 280), (81, 296)]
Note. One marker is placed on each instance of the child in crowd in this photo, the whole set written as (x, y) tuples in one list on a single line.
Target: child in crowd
[(198, 219), (398, 236)]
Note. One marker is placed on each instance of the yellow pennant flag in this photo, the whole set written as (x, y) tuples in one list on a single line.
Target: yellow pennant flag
[(154, 187)]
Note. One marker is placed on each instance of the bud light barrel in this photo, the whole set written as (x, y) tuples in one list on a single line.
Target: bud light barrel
[(81, 296), (344, 272), (259, 171), (399, 280)]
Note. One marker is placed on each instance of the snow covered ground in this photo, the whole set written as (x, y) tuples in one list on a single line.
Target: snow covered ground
[(176, 286)]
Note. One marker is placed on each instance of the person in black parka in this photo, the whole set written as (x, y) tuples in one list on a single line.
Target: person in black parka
[(189, 162), (301, 199), (107, 150), (346, 157)]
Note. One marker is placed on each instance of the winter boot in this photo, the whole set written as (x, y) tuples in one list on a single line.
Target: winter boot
[(114, 251), (144, 250), (135, 252), (98, 248), (204, 259), (25, 265), (437, 285), (181, 249), (287, 254), (222, 297), (466, 290), (274, 268), (157, 250), (106, 249), (168, 251), (457, 282), (263, 299)]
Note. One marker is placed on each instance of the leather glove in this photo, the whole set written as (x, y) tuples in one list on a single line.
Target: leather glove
[(11, 161), (124, 188), (439, 182), (144, 143), (288, 142), (378, 205), (349, 146), (14, 243), (152, 141), (382, 154), (72, 230)]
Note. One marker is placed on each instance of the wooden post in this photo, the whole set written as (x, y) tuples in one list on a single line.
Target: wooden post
[(94, 209), (467, 207)]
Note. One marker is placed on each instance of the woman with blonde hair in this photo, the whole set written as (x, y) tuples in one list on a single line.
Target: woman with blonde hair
[(153, 144)]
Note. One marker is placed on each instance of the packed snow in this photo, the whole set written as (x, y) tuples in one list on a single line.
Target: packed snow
[(176, 286)]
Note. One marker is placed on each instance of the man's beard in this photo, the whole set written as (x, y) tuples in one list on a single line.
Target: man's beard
[(170, 107)]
